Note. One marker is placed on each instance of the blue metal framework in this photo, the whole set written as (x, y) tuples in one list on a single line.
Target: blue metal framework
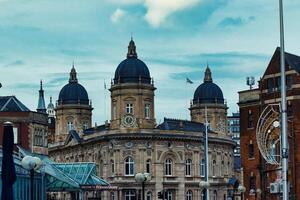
[(53, 177), (67, 176), (22, 184)]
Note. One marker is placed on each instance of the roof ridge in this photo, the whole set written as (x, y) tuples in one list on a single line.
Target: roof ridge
[(3, 107)]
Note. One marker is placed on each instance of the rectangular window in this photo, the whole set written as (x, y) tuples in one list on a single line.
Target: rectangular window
[(114, 110), (251, 151), (289, 81), (252, 184), (15, 130), (270, 85), (129, 108), (278, 83), (250, 119), (202, 168), (289, 109), (147, 111)]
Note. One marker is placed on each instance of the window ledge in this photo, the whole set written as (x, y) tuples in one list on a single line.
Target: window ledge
[(253, 158), (129, 175)]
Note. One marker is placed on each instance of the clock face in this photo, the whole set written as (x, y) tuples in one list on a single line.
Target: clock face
[(128, 121)]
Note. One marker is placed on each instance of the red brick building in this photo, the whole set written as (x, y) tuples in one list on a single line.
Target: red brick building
[(260, 178), (30, 128)]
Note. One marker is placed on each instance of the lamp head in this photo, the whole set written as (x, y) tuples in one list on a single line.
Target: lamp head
[(30, 162), (276, 124), (139, 177), (241, 188), (204, 184)]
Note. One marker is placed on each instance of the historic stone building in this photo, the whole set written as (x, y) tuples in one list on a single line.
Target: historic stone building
[(262, 180), (172, 152)]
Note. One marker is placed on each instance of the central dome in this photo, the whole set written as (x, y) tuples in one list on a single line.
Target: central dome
[(208, 92), (132, 69), (73, 92)]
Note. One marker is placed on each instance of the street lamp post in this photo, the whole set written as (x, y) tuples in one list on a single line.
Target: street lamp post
[(142, 178), (205, 185), (242, 189), (206, 156), (31, 163), (284, 150)]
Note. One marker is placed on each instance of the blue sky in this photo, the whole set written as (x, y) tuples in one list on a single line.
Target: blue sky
[(40, 40)]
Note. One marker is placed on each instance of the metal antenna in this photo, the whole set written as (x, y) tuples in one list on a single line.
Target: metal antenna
[(250, 81)]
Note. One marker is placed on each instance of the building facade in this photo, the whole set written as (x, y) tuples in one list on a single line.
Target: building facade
[(261, 179), (30, 128), (172, 152), (234, 130)]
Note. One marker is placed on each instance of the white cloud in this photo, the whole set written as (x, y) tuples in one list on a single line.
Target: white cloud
[(117, 15), (159, 10)]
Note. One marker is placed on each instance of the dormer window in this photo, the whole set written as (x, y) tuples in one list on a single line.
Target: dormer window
[(85, 125), (70, 126), (129, 108)]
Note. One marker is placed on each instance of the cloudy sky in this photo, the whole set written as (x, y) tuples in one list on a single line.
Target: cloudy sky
[(175, 38)]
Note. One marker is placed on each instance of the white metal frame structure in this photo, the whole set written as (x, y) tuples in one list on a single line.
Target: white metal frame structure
[(267, 132)]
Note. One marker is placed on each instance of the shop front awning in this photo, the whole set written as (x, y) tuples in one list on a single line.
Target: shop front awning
[(68, 176)]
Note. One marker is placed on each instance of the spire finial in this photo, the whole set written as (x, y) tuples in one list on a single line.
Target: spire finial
[(207, 77), (41, 84), (41, 103), (131, 49), (50, 99), (73, 75)]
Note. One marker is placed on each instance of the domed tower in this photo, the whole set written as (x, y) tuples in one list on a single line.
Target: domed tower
[(209, 96), (73, 110), (132, 94)]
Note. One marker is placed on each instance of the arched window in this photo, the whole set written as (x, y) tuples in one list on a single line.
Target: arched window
[(169, 195), (189, 195), (227, 167), (149, 196), (70, 125), (85, 125), (188, 167), (129, 166), (168, 167), (203, 195), (129, 195), (202, 168), (215, 196), (147, 110), (101, 168), (222, 168), (148, 166), (112, 164), (214, 166), (112, 196)]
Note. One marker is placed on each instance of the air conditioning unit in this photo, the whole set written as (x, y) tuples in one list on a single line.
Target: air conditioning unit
[(280, 185), (274, 188)]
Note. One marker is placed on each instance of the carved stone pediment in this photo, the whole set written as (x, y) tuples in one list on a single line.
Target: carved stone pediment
[(128, 153)]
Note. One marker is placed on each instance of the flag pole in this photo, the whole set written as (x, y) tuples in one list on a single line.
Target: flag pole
[(284, 146)]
